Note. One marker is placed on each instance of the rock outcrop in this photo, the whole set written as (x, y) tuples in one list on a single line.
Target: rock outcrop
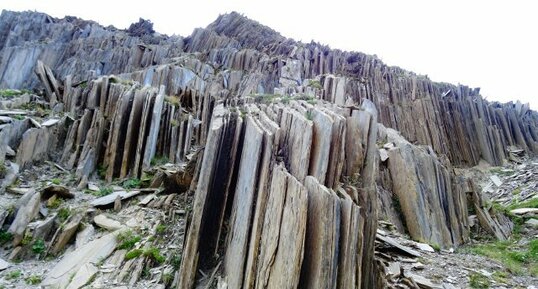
[(454, 120), (285, 228), (291, 151)]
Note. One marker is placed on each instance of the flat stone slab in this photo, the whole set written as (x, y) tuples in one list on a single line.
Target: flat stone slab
[(392, 242), (93, 252), (83, 276), (109, 199), (50, 122), (13, 112), (496, 180), (4, 265), (18, 191), (532, 223), (93, 187), (524, 211), (106, 223), (424, 247), (383, 155), (422, 282), (5, 119)]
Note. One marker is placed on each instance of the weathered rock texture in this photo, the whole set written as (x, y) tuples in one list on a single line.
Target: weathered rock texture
[(73, 46), (454, 120), (285, 189), (426, 193), (286, 228)]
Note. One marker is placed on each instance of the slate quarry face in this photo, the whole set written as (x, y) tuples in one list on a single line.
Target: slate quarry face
[(302, 147)]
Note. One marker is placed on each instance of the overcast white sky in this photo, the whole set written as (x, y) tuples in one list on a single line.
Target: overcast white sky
[(488, 44)]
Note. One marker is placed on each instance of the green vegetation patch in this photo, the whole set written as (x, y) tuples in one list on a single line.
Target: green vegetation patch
[(3, 170), (501, 172), (33, 280), (159, 160), (64, 214), (315, 84), (175, 261), (518, 259), (39, 246), (155, 254), (127, 240), (478, 281), (10, 93), (173, 100), (132, 183), (14, 275), (54, 203), (151, 253), (532, 203), (161, 228), (103, 191), (134, 254), (5, 237)]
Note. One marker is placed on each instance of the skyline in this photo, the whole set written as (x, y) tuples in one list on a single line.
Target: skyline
[(484, 44)]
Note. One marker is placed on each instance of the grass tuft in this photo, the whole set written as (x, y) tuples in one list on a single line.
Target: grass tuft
[(132, 183), (532, 203), (517, 259), (13, 275), (127, 240), (64, 214), (161, 228), (134, 254), (155, 254), (5, 237), (38, 247), (33, 280), (478, 281), (159, 160)]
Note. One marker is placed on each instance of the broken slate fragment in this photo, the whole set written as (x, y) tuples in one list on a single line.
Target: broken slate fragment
[(423, 282), (383, 155), (66, 234), (532, 223), (83, 276), (106, 223), (10, 152), (18, 191), (110, 199), (394, 268), (26, 213), (84, 236), (93, 252), (57, 190), (50, 122), (525, 211), (4, 265), (146, 200), (393, 243), (496, 180), (93, 187), (424, 247)]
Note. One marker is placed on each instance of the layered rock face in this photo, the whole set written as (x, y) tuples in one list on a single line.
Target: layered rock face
[(292, 170), (454, 120), (268, 176), (75, 47), (433, 207)]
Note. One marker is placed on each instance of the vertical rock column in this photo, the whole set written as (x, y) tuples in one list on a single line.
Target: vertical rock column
[(211, 194), (282, 227)]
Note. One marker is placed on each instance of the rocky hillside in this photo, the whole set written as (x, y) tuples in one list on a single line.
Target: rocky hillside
[(236, 158)]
